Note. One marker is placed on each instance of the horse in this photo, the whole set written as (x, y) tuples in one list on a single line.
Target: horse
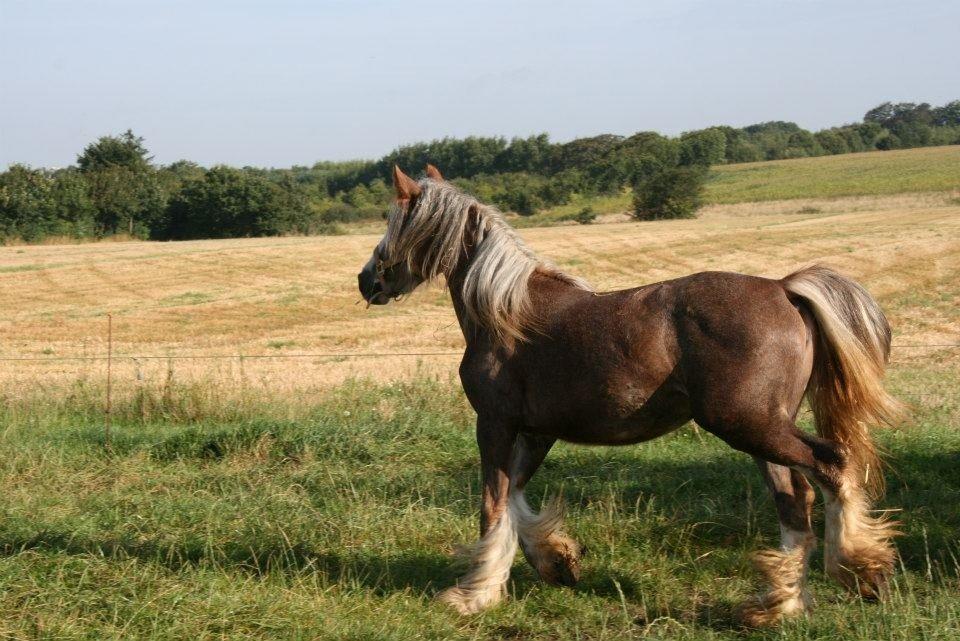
[(547, 358)]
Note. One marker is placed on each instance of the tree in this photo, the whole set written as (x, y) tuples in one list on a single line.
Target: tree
[(948, 115), (705, 147), (73, 209), (231, 203), (870, 133), (126, 201), (125, 150), (880, 114), (801, 144), (583, 152), (124, 186), (832, 142), (673, 193), (525, 154), (26, 204)]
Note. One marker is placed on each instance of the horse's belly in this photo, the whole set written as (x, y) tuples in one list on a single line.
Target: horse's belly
[(628, 416)]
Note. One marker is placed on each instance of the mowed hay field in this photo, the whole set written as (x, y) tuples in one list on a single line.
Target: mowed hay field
[(315, 495)]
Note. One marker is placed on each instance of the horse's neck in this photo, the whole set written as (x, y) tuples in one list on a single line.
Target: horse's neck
[(546, 292), (455, 285)]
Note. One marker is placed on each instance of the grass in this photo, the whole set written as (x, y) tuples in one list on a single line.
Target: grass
[(876, 173), (601, 205), (871, 173), (339, 525)]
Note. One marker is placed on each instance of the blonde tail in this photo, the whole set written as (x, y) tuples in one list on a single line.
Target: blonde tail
[(852, 348)]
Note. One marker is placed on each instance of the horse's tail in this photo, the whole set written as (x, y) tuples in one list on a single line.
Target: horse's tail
[(851, 349)]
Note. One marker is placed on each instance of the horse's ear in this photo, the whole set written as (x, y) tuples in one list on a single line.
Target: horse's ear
[(405, 186), (434, 174)]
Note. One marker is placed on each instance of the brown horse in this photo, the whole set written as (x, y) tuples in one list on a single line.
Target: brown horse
[(548, 358)]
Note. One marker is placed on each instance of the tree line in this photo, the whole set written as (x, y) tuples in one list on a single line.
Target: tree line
[(116, 188)]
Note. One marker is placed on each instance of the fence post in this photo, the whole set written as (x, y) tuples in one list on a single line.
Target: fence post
[(108, 418), (141, 390)]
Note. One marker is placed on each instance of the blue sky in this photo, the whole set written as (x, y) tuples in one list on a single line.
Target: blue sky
[(283, 82)]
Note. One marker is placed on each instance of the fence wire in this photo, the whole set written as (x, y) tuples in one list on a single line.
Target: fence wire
[(145, 357)]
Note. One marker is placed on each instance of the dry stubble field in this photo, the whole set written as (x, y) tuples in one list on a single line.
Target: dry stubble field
[(290, 297)]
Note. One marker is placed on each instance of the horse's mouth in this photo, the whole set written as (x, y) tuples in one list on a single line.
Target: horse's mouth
[(379, 298)]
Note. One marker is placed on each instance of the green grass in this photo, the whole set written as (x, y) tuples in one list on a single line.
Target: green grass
[(871, 173), (340, 525), (876, 173), (562, 213)]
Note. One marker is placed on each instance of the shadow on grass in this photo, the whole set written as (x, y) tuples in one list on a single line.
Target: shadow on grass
[(720, 491), (380, 574), (923, 490)]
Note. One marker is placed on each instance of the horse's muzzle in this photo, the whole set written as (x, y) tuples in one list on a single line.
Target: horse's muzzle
[(371, 289)]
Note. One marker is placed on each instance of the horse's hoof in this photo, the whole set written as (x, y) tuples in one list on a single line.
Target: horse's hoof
[(866, 573), (761, 612), (469, 601), (871, 585), (559, 561)]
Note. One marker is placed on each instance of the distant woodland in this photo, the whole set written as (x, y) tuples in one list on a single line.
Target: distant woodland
[(116, 188)]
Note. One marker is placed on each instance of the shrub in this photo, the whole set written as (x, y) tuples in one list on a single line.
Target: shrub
[(585, 216), (339, 212), (672, 193), (230, 203), (518, 200)]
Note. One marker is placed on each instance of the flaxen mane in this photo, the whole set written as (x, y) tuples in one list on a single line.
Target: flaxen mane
[(431, 240)]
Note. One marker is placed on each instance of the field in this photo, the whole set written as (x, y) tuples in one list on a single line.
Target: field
[(300, 493), (868, 173), (874, 173)]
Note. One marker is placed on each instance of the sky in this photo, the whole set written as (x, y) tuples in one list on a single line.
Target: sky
[(290, 82)]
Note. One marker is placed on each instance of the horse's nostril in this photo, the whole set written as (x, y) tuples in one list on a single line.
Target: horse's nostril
[(371, 288)]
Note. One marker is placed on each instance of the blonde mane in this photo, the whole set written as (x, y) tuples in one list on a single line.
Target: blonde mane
[(430, 239)]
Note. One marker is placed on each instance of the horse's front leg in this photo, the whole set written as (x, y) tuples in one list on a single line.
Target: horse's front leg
[(554, 555), (492, 556)]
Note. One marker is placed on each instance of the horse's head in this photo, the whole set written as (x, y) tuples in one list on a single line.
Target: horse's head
[(390, 273)]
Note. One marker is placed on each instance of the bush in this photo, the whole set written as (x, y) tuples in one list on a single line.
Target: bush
[(26, 206), (672, 193), (231, 203), (585, 216), (518, 200)]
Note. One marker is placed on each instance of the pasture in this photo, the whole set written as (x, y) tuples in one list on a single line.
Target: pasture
[(873, 173), (300, 493)]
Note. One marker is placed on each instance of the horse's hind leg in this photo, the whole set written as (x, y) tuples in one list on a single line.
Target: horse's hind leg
[(857, 545), (554, 555), (785, 570), (858, 549)]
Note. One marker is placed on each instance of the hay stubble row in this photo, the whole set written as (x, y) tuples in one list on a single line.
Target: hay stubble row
[(283, 296)]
